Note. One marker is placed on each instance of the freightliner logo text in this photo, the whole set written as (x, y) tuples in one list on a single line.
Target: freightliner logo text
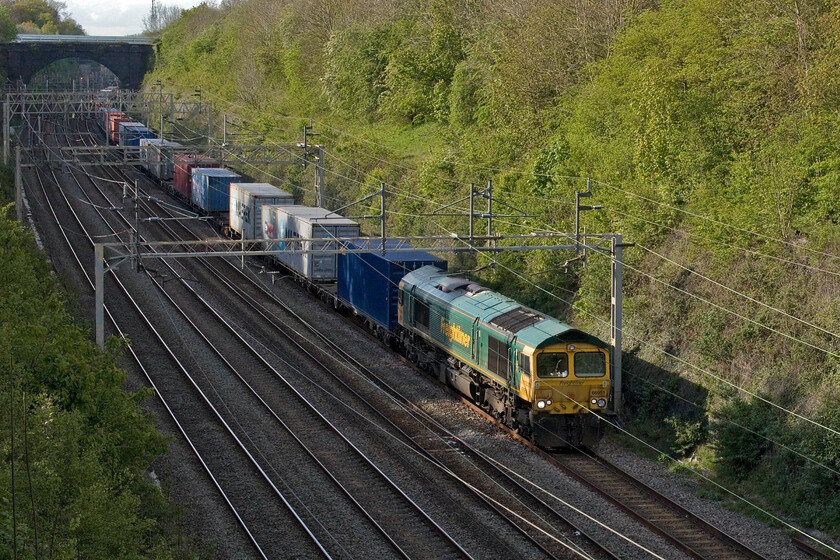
[(454, 333)]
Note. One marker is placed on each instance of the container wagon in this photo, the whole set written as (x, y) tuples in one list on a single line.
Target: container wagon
[(368, 283), (246, 202), (102, 116), (182, 167), (306, 222), (158, 154), (211, 188), (132, 132), (112, 131)]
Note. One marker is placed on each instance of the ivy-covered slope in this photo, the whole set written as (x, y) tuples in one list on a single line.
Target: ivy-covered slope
[(708, 128)]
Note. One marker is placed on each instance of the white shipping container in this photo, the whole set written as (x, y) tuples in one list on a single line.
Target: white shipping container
[(306, 222), (246, 203)]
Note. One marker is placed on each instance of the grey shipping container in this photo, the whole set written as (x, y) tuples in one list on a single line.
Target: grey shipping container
[(246, 202), (369, 282), (306, 222), (157, 154)]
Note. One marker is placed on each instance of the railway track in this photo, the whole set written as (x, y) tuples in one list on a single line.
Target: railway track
[(549, 531), (532, 516), (197, 439), (453, 464), (548, 538), (414, 531), (407, 530), (687, 531)]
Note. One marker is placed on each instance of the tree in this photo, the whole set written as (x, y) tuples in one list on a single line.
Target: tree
[(47, 17), (8, 29), (39, 12), (159, 17)]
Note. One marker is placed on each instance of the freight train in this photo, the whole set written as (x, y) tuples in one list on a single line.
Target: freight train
[(537, 375)]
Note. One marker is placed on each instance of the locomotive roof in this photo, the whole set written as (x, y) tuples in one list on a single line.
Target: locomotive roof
[(498, 311)]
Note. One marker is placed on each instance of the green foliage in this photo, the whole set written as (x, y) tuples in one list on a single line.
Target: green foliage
[(41, 16), (421, 62), (82, 444), (686, 436), (8, 29), (469, 94), (740, 450), (687, 115), (354, 70)]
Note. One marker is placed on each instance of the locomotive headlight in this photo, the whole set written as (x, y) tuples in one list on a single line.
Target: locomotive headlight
[(541, 404), (602, 403)]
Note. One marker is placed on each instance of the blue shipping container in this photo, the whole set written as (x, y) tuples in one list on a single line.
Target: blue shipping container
[(132, 132), (369, 282), (211, 188)]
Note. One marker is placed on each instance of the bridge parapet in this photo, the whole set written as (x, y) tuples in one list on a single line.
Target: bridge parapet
[(104, 39)]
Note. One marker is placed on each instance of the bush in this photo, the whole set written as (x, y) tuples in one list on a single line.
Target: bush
[(739, 451)]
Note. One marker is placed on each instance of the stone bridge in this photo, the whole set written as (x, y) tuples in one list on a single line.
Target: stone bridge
[(127, 57)]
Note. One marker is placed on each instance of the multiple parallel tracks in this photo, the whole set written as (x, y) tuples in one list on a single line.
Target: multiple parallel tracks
[(282, 396)]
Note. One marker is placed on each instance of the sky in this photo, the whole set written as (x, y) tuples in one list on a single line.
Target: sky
[(116, 17)]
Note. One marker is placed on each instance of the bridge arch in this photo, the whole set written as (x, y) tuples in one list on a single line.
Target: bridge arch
[(128, 60)]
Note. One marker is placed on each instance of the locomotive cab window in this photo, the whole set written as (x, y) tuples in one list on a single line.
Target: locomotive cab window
[(525, 364), (590, 364), (421, 314), (553, 364)]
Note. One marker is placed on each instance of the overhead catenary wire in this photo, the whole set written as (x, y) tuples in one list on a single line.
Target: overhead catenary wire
[(718, 222), (682, 463), (723, 243), (608, 185), (731, 422), (681, 360), (571, 177), (508, 170), (736, 292)]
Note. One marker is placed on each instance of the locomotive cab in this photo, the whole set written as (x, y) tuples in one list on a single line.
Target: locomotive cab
[(571, 380)]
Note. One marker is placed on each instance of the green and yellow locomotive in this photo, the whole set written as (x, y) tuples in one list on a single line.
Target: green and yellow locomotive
[(535, 373)]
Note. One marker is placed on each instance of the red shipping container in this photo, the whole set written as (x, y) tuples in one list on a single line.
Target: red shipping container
[(114, 120), (182, 171)]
